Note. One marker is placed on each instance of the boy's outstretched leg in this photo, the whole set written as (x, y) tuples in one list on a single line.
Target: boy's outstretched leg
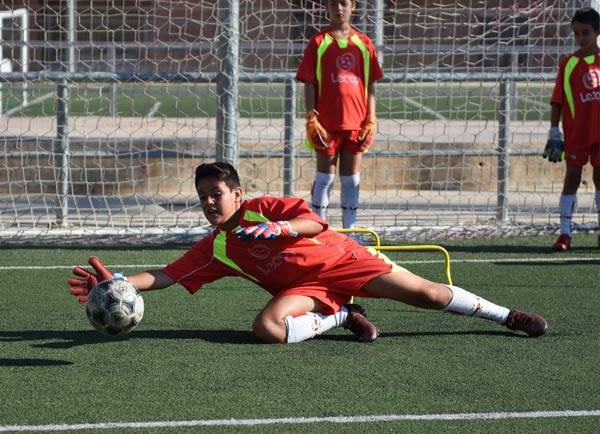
[(416, 291), (530, 323), (466, 303)]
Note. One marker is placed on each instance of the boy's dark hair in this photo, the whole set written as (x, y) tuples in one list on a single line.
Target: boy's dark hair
[(587, 16), (221, 171)]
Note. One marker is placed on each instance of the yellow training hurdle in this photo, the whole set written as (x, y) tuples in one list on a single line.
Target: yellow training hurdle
[(378, 246)]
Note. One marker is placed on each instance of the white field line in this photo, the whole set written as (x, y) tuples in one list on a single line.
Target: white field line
[(424, 108), (440, 261), (304, 420), (535, 102), (38, 100), (154, 109)]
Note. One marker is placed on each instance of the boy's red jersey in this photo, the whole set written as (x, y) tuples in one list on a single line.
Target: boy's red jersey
[(329, 262), (341, 74), (577, 90)]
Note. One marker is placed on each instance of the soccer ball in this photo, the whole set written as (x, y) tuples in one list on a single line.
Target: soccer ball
[(115, 307)]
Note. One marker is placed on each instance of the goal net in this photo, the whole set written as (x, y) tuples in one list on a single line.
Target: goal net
[(113, 105)]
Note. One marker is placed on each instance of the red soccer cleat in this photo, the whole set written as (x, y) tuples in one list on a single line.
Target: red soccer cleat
[(359, 324), (563, 243), (530, 323)]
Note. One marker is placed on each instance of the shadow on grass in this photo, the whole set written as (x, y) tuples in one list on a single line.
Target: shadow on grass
[(33, 362), (70, 339), (384, 335)]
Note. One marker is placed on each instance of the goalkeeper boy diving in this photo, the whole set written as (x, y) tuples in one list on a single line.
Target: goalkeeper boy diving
[(311, 271)]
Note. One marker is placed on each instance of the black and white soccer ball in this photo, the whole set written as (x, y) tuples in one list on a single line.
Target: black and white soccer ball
[(115, 307)]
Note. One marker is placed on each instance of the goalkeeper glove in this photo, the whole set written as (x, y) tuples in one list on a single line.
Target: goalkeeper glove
[(81, 287), (315, 133), (267, 230), (554, 146), (367, 132)]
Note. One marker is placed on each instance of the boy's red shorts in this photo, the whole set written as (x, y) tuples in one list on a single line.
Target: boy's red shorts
[(335, 288), (580, 157), (342, 141)]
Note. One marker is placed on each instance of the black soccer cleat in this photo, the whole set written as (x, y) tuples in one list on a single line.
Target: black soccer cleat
[(358, 323), (530, 323)]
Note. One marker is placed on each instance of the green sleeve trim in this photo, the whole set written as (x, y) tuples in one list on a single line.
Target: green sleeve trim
[(220, 252), (569, 67), (323, 46), (366, 60), (220, 244), (253, 216)]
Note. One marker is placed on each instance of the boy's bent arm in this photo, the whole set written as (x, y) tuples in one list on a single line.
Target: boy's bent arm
[(295, 227), (150, 280), (305, 227)]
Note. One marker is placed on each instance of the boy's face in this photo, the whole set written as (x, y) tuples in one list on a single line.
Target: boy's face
[(585, 36), (340, 11), (218, 202)]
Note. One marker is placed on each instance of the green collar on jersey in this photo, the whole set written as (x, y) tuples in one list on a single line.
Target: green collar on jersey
[(326, 42)]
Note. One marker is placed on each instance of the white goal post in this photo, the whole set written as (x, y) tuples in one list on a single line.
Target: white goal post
[(126, 98)]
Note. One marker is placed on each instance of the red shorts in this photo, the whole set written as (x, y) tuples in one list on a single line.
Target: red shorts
[(342, 141), (335, 288), (580, 157)]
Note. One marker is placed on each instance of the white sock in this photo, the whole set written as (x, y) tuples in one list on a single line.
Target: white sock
[(567, 207), (321, 191), (349, 198), (466, 303), (598, 208), (310, 324)]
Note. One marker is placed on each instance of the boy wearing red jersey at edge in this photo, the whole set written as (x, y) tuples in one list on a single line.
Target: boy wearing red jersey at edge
[(339, 68), (576, 98), (311, 271)]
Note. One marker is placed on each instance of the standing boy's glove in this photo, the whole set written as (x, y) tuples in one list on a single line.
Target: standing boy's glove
[(367, 132), (81, 287), (315, 133), (554, 146), (266, 230)]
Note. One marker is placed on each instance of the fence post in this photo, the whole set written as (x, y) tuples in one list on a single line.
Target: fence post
[(112, 95), (62, 125), (289, 139), (62, 152), (227, 82), (504, 114)]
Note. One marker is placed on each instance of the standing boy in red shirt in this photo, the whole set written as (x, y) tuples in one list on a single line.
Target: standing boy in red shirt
[(339, 69), (576, 98), (311, 271)]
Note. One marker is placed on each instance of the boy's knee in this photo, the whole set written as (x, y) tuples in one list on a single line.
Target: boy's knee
[(438, 296), (269, 331)]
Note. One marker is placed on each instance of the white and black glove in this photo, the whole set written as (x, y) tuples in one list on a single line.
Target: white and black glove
[(554, 146)]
